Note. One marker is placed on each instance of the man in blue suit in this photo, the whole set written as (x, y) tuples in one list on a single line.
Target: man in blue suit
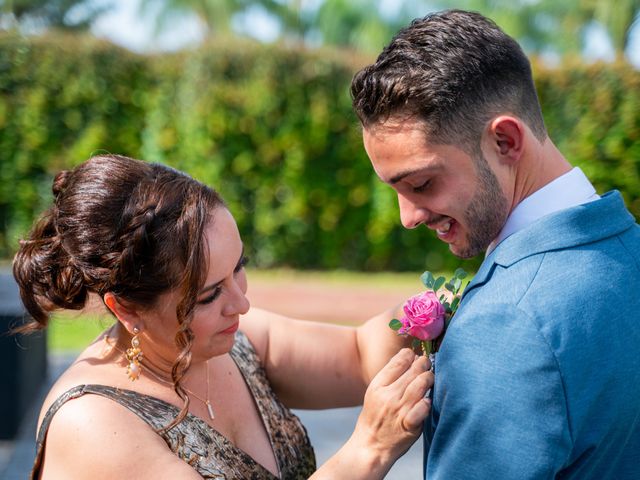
[(538, 375)]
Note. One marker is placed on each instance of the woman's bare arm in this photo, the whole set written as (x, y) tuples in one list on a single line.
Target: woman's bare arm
[(319, 365)]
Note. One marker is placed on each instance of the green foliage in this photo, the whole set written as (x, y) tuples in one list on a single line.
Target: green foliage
[(544, 26), (395, 324), (272, 129), (61, 99), (73, 332), (593, 115)]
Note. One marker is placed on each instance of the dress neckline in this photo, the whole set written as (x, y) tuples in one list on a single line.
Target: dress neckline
[(100, 389)]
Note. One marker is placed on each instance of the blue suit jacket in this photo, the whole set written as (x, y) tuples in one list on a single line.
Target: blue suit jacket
[(539, 373)]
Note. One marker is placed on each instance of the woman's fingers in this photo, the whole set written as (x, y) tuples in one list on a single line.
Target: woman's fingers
[(394, 406), (415, 417), (395, 368), (420, 365), (413, 398), (418, 387)]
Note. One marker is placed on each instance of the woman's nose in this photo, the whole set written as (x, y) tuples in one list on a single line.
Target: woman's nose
[(238, 303)]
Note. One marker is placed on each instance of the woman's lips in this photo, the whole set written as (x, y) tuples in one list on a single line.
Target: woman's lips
[(232, 329)]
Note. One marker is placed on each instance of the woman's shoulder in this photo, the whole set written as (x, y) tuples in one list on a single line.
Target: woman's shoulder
[(90, 367), (88, 426), (95, 434)]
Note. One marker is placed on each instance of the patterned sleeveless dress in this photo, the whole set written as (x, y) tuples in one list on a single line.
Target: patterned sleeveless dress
[(197, 443)]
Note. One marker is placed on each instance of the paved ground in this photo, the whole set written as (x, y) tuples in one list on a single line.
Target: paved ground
[(334, 301)]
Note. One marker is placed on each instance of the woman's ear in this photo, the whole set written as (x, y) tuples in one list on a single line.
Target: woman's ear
[(507, 137), (126, 314)]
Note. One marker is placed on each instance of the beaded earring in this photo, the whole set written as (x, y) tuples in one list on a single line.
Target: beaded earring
[(134, 355)]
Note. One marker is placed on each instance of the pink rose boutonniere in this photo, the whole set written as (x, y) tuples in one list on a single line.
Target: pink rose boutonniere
[(427, 315)]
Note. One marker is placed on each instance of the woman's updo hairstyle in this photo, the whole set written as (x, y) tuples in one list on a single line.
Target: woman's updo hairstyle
[(118, 225)]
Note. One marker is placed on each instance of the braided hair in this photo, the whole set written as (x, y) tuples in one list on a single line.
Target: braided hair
[(119, 225)]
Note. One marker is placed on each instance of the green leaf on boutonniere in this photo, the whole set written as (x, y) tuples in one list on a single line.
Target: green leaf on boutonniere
[(395, 324), (455, 303), (460, 273), (416, 344), (457, 283), (427, 279), (449, 286), (438, 283)]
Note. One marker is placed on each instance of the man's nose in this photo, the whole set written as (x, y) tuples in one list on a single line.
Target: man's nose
[(410, 214)]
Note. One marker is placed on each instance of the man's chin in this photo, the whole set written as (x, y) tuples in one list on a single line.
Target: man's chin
[(464, 251)]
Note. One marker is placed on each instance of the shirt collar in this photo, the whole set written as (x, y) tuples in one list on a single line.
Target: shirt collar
[(569, 190)]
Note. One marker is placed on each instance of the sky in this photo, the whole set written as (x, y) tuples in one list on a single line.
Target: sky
[(125, 26)]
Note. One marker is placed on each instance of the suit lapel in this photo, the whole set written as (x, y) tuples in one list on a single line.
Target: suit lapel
[(567, 228), (484, 274)]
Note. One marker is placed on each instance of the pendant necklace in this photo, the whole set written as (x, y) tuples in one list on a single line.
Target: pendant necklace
[(206, 401)]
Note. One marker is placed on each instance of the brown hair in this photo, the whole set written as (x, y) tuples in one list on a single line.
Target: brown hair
[(124, 226), (454, 70)]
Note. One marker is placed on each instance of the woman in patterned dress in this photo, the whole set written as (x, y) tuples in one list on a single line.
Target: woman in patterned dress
[(214, 381)]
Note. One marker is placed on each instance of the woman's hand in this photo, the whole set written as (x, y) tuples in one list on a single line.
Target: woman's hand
[(391, 420)]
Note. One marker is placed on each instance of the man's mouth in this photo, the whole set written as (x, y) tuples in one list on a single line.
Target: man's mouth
[(444, 228), (440, 225)]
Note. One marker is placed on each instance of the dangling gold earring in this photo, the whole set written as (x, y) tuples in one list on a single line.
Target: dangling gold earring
[(134, 355)]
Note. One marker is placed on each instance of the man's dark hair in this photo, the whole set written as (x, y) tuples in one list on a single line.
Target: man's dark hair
[(454, 70)]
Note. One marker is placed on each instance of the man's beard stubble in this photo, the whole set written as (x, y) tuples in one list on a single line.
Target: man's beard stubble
[(486, 213)]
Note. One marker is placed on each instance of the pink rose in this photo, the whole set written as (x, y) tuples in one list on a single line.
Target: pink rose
[(424, 316)]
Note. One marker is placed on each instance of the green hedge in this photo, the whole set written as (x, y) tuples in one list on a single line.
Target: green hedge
[(271, 129)]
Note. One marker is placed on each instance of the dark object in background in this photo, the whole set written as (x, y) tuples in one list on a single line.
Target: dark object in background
[(23, 361)]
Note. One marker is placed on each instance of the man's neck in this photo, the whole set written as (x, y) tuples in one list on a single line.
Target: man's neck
[(543, 165)]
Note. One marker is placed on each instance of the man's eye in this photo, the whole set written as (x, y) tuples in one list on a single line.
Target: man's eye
[(212, 297), (421, 188)]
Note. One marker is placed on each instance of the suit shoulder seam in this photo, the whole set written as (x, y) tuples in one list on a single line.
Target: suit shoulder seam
[(626, 249)]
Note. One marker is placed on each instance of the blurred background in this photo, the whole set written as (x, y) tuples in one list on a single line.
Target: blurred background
[(252, 97)]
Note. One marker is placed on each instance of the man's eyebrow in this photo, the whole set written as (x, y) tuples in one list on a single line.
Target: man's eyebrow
[(213, 286), (395, 179)]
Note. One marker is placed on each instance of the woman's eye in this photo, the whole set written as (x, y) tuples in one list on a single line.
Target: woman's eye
[(243, 261), (421, 188), (212, 297)]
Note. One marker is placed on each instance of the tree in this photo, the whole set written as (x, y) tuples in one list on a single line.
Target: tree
[(618, 18), (214, 15), (362, 24), (41, 14), (559, 26)]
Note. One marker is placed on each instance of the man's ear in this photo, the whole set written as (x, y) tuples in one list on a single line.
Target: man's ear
[(126, 314), (506, 137)]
